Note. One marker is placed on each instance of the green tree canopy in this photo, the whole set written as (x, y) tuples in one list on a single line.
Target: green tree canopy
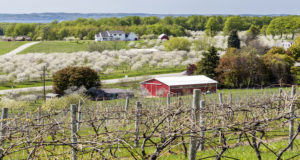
[(294, 50), (263, 30), (239, 68), (74, 76), (279, 67), (252, 33), (232, 23), (212, 26)]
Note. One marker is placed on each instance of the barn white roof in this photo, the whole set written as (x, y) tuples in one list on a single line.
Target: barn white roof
[(186, 80)]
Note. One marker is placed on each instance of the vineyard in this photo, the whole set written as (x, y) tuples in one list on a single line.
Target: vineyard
[(201, 126)]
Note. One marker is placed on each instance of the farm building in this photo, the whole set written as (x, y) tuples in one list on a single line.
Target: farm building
[(23, 38), (163, 36), (115, 36), (178, 85)]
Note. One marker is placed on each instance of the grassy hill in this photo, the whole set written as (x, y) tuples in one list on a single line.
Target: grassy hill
[(57, 46)]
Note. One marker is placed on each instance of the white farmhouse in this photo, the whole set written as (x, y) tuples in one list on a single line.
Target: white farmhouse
[(115, 36)]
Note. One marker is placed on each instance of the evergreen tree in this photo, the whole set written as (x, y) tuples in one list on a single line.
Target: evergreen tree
[(233, 40), (208, 63)]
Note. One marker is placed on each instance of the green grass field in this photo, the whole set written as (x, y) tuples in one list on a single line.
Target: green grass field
[(82, 45), (6, 47), (57, 46), (5, 86), (115, 75), (241, 153)]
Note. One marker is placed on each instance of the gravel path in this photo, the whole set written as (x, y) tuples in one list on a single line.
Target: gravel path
[(110, 81), (20, 49)]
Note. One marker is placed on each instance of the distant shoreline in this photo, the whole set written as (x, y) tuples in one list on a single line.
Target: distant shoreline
[(49, 17)]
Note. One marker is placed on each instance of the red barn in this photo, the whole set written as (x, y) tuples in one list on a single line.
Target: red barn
[(163, 36), (178, 85)]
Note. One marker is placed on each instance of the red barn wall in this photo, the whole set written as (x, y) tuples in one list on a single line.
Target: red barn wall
[(156, 88)]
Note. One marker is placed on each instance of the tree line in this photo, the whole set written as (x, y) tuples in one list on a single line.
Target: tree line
[(176, 26), (250, 66)]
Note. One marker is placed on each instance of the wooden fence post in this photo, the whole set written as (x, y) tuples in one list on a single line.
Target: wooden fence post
[(230, 100), (126, 107), (137, 122), (169, 107), (222, 109), (4, 116), (221, 98), (39, 114), (202, 125), (194, 122), (27, 124), (107, 116), (79, 114), (74, 130), (279, 101), (292, 116)]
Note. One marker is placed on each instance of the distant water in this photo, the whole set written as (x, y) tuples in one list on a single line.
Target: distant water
[(49, 17), (26, 21)]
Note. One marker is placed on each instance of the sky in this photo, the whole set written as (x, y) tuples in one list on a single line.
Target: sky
[(153, 6)]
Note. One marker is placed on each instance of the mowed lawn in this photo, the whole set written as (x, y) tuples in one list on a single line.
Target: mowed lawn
[(6, 47), (57, 46), (115, 75)]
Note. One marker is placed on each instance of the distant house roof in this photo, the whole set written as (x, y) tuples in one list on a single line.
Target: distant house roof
[(185, 80), (103, 34), (107, 33), (116, 32)]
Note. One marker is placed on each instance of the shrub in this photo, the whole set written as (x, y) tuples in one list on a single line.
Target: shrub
[(177, 44), (190, 69), (241, 69), (276, 50), (279, 67), (74, 76), (294, 50), (296, 74), (62, 103), (252, 33), (204, 43)]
